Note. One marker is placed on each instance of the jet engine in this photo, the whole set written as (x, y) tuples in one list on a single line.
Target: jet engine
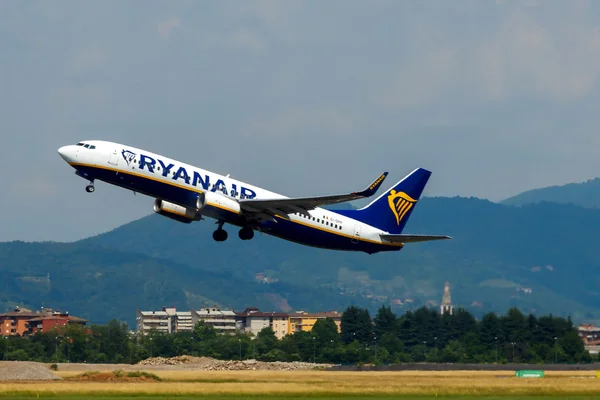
[(219, 201), (177, 212)]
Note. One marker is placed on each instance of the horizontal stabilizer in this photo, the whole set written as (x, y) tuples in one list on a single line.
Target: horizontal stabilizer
[(412, 238)]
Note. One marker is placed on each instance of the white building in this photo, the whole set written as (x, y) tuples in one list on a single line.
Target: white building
[(251, 320), (223, 321), (168, 320)]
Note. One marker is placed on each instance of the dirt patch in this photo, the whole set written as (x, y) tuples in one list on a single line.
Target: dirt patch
[(211, 364), (115, 376), (25, 371)]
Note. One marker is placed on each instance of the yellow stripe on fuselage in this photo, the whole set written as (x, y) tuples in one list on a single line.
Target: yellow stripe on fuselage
[(191, 189), (195, 190)]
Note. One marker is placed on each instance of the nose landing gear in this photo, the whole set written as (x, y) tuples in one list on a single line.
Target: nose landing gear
[(90, 188)]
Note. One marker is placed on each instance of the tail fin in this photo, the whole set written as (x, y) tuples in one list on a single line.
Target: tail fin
[(391, 210)]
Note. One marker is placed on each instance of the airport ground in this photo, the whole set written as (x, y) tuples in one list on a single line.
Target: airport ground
[(79, 381)]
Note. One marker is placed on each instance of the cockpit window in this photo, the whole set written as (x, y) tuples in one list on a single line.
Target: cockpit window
[(79, 144), (87, 146), (92, 147)]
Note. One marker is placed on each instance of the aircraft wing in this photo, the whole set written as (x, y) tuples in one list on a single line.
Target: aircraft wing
[(412, 238), (303, 204)]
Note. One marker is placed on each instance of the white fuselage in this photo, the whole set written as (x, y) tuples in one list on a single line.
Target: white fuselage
[(168, 179)]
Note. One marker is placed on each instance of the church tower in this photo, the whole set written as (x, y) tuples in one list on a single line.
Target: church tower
[(446, 307)]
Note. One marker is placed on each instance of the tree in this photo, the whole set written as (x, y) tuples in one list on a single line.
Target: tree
[(325, 332), (515, 326), (385, 321), (572, 344), (266, 341), (490, 330), (204, 331), (356, 325)]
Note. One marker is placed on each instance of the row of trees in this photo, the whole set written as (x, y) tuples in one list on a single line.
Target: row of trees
[(417, 336)]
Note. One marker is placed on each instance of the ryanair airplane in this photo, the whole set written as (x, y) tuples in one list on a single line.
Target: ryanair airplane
[(185, 193)]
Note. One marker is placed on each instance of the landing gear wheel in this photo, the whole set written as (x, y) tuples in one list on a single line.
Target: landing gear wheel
[(90, 188), (220, 235), (246, 233)]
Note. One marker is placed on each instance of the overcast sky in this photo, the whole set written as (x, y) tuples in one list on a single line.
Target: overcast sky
[(301, 97)]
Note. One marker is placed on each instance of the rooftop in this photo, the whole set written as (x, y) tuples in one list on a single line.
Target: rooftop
[(57, 318)]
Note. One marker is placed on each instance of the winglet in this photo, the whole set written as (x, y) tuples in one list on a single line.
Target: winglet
[(373, 187)]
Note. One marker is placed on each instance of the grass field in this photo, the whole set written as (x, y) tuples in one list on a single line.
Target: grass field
[(320, 385), (402, 397)]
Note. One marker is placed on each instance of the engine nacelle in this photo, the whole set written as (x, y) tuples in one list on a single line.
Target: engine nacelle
[(176, 212), (218, 200)]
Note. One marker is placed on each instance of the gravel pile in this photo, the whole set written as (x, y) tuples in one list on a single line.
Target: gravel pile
[(211, 364), (25, 371)]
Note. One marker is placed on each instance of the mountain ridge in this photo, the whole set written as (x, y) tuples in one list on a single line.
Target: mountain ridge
[(538, 257), (585, 194)]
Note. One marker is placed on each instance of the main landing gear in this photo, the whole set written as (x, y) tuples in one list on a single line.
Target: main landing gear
[(246, 233), (220, 235), (90, 188)]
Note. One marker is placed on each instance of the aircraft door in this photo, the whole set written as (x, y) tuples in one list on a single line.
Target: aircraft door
[(113, 158), (356, 235)]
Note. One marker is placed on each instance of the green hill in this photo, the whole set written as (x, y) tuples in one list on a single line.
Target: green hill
[(99, 284), (584, 194), (539, 247), (539, 257)]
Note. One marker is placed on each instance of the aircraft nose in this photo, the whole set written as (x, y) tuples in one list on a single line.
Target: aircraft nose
[(64, 152)]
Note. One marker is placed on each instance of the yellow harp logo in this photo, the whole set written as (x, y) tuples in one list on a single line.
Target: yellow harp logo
[(400, 203)]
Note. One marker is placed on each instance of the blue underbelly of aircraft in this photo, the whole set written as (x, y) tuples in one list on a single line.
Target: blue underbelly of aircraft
[(314, 237), (283, 228)]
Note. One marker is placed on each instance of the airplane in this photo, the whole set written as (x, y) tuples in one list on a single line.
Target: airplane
[(186, 193)]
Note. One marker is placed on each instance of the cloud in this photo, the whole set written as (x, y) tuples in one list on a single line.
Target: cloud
[(533, 51), (89, 58), (303, 122), (35, 187), (246, 40), (166, 27), (241, 39)]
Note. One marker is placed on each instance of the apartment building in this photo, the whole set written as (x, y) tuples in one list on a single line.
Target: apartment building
[(168, 320), (16, 322), (223, 321), (56, 319), (590, 335), (22, 321), (184, 321), (304, 321), (252, 320)]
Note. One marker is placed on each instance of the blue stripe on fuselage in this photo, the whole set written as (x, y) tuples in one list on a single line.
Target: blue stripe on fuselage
[(283, 228)]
